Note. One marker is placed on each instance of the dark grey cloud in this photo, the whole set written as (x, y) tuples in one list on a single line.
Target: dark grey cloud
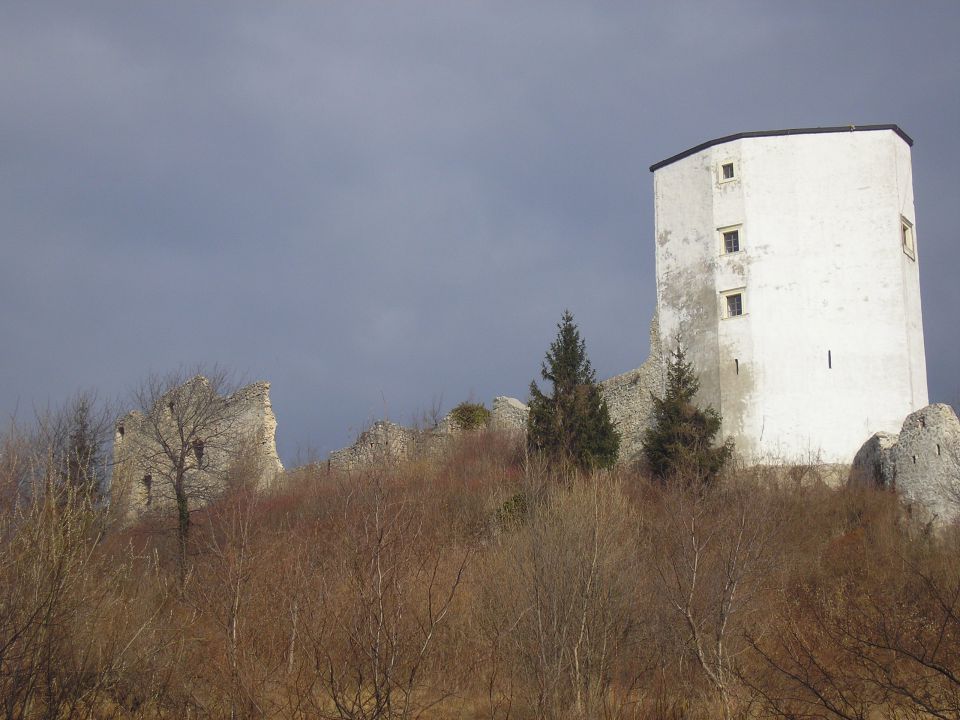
[(378, 205)]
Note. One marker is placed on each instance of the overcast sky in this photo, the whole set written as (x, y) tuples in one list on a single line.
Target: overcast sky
[(383, 206)]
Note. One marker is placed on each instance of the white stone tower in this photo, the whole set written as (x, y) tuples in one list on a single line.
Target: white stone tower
[(787, 263)]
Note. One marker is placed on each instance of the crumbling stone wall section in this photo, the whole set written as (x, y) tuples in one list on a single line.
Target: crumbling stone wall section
[(257, 425), (628, 397), (239, 437), (871, 465), (922, 463), (382, 443), (509, 414), (385, 443)]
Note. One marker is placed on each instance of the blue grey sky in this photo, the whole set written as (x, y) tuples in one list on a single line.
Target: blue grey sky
[(382, 206)]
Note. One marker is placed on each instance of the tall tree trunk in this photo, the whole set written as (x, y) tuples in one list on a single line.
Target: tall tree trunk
[(183, 529)]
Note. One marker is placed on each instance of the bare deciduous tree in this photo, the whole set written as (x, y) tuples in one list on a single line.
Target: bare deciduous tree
[(179, 443), (714, 554), (885, 639), (66, 636), (388, 594)]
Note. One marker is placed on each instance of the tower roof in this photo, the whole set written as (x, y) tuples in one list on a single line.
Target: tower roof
[(772, 133)]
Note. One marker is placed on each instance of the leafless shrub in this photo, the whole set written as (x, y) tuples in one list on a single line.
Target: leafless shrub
[(429, 419), (716, 553), (556, 604), (68, 638), (73, 441), (476, 584), (388, 588), (881, 640)]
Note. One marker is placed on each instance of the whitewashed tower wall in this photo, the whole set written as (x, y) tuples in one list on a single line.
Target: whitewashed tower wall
[(829, 346)]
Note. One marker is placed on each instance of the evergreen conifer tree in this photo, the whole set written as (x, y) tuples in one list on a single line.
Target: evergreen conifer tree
[(681, 443), (572, 424)]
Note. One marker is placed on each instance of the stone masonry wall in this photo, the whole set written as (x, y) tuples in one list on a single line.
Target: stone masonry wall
[(627, 395), (509, 414), (629, 401), (240, 436), (922, 463), (386, 442), (382, 443)]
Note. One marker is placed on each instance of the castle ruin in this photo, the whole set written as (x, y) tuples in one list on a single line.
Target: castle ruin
[(787, 265), (211, 440), (628, 395)]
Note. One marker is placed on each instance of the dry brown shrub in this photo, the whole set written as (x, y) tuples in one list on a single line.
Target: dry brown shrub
[(875, 633), (555, 598), (475, 585), (76, 626)]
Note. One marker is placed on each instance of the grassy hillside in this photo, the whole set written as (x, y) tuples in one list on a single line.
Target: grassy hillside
[(480, 586)]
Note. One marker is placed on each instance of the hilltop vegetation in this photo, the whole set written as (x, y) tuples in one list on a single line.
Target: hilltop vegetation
[(477, 586), (572, 424)]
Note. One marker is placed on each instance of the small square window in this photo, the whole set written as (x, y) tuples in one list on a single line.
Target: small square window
[(727, 171), (734, 304), (906, 238), (731, 241)]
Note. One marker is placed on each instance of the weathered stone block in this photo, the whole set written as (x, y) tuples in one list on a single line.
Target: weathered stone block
[(509, 414), (382, 443), (629, 399), (922, 463)]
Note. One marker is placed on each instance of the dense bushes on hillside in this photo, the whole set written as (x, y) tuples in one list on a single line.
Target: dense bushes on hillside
[(408, 593)]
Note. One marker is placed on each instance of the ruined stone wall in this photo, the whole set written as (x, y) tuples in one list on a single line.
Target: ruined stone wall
[(627, 395), (509, 414), (257, 425), (231, 436), (629, 399), (921, 463), (386, 443), (382, 443)]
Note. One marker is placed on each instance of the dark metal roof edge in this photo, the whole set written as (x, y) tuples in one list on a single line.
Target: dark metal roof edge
[(772, 133)]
